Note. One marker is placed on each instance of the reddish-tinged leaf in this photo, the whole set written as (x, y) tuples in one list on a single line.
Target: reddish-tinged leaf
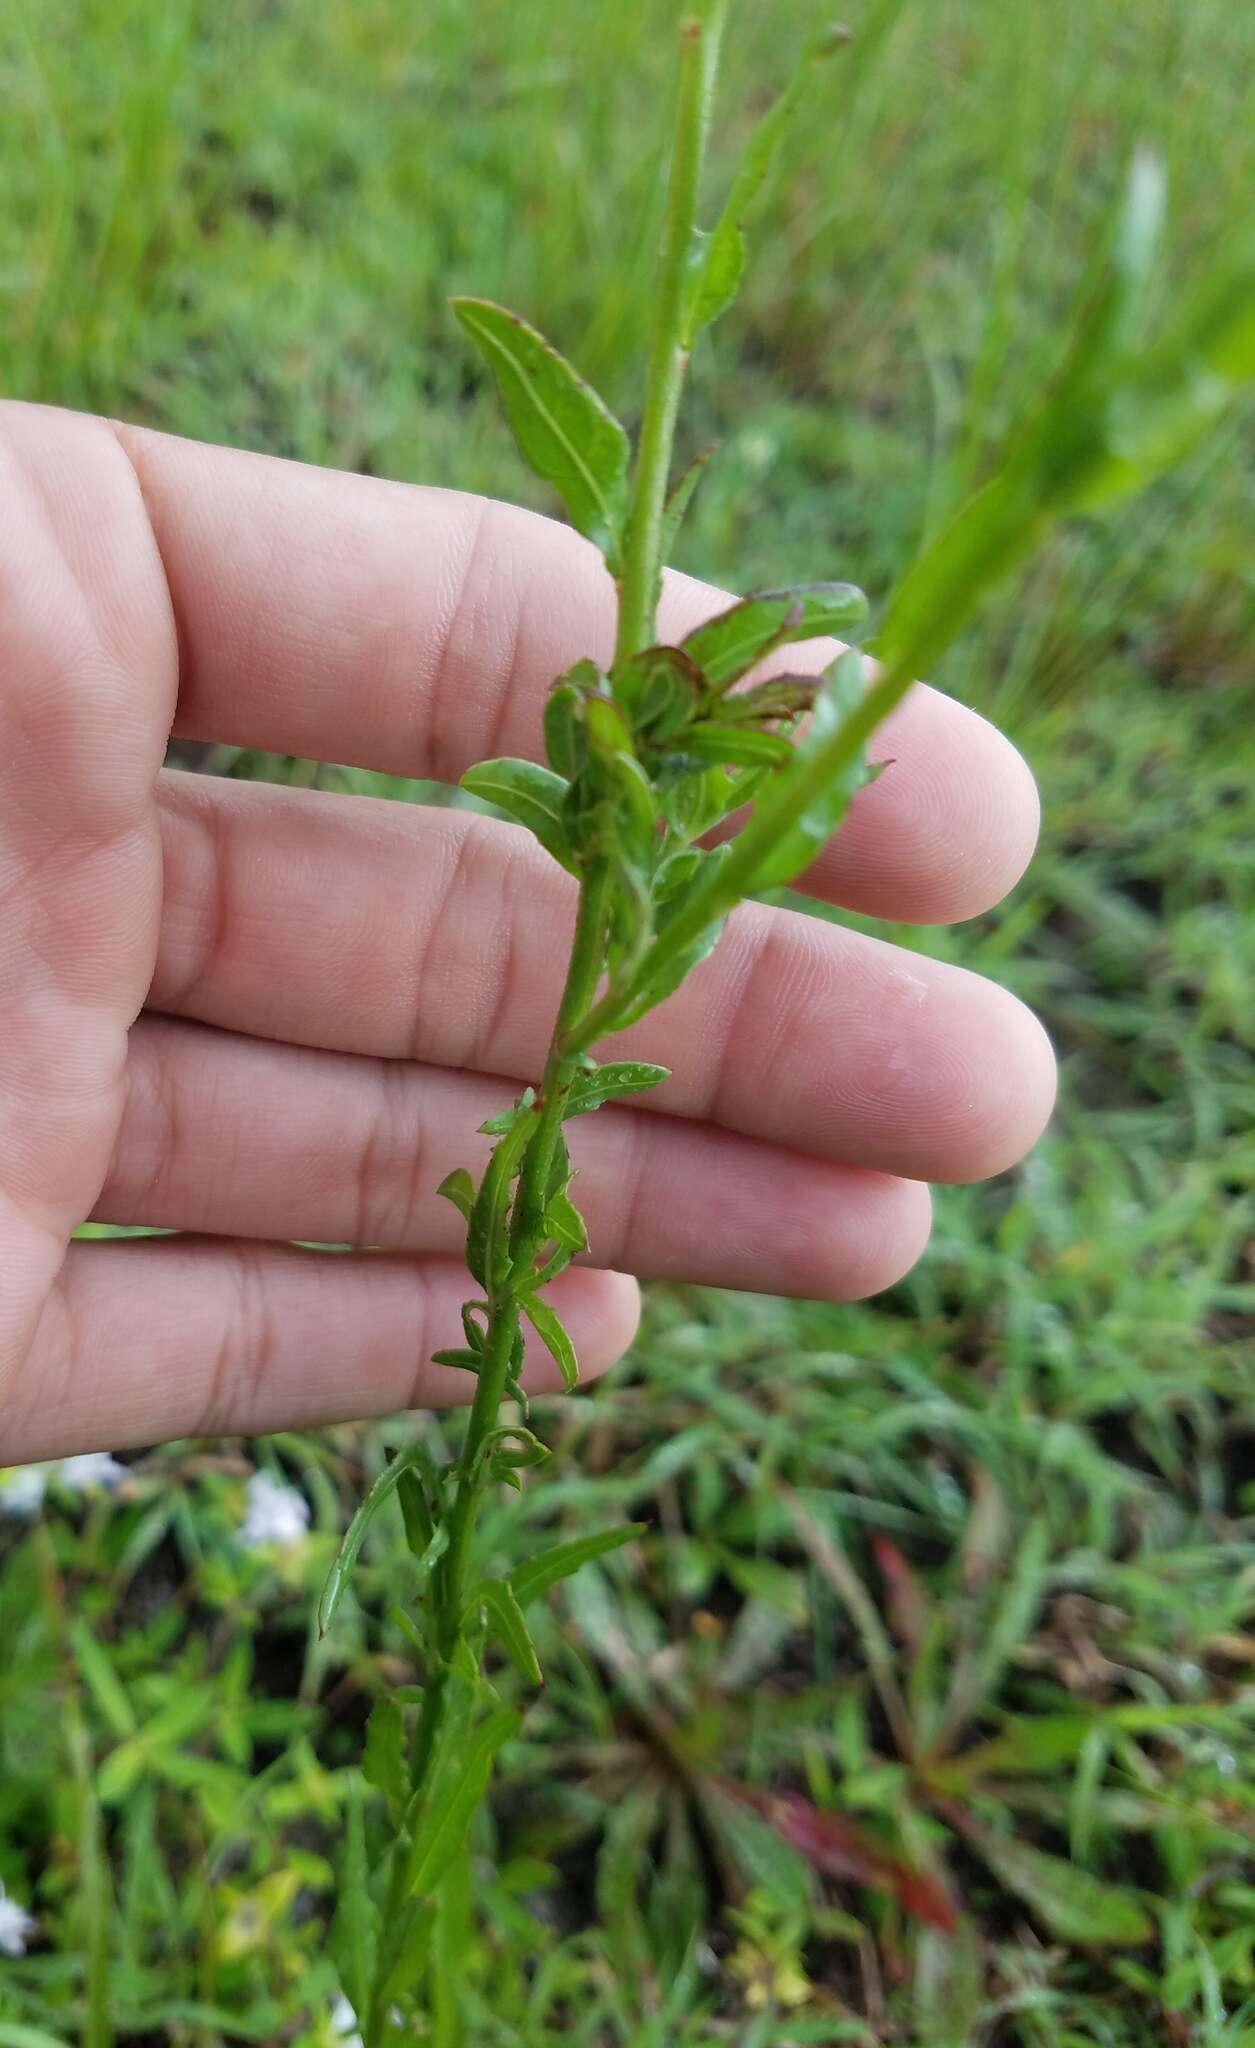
[(840, 1848), (908, 1603)]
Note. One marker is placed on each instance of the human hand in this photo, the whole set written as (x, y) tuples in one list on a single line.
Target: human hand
[(259, 1014)]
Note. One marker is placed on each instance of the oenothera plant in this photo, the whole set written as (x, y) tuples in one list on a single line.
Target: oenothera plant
[(646, 760)]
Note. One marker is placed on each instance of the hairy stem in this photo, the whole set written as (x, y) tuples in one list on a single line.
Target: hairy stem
[(668, 357)]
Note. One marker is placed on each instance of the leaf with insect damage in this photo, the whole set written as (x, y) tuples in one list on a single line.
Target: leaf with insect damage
[(564, 430)]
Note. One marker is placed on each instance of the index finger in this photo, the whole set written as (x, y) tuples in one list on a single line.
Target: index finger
[(414, 631)]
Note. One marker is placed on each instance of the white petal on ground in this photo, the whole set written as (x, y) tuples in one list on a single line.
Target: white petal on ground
[(277, 1515), (90, 1471), (16, 1926), (343, 2017), (22, 1490)]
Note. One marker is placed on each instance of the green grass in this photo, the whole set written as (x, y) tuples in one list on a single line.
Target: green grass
[(971, 1568)]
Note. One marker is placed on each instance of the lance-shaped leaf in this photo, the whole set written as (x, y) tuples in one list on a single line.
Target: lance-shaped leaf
[(509, 1450), (539, 1573), (338, 1577), (679, 498), (531, 795), (654, 987), (595, 1085), (505, 1119), (549, 1327), (456, 1788), (467, 1360), (742, 745), (487, 1251), (1072, 1903), (506, 1617), (415, 1512), (563, 428), (661, 690), (563, 717), (730, 644), (383, 1758), (717, 275), (564, 1222), (458, 1187), (355, 1929), (783, 697), (817, 819)]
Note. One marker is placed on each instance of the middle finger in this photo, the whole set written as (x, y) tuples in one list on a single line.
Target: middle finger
[(434, 935), (351, 1151)]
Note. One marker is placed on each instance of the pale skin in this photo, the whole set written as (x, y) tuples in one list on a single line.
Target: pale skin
[(256, 1015)]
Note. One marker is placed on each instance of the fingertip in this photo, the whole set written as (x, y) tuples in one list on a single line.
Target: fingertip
[(897, 1227), (1015, 1058), (948, 828)]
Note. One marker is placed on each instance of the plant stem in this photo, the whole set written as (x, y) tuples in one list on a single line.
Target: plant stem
[(668, 357), (638, 592), (583, 974)]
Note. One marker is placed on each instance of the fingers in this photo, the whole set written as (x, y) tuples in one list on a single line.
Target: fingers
[(169, 1337), (439, 936), (352, 1150), (86, 693), (415, 631)]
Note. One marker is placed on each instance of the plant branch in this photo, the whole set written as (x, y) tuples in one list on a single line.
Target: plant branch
[(668, 358)]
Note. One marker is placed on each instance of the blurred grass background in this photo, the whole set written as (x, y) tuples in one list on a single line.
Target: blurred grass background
[(1020, 1491)]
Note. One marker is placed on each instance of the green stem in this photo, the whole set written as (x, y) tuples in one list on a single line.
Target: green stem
[(583, 974), (668, 357)]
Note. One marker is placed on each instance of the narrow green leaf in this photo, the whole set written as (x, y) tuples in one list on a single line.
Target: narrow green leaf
[(739, 745), (338, 1577), (13, 2034), (513, 1384), (693, 801), (654, 988), (677, 872), (456, 1792), (466, 1360), (733, 642), (506, 1616), (596, 1085), (476, 1333), (505, 1119), (564, 1223), (563, 717), (103, 1683), (529, 1581), (533, 796), (817, 820), (717, 277), (511, 1448), (355, 1928), (415, 1512), (1070, 1901), (383, 1758), (406, 1952), (458, 1187), (487, 1250), (660, 689), (625, 782), (549, 1328), (563, 428), (679, 499), (783, 697)]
